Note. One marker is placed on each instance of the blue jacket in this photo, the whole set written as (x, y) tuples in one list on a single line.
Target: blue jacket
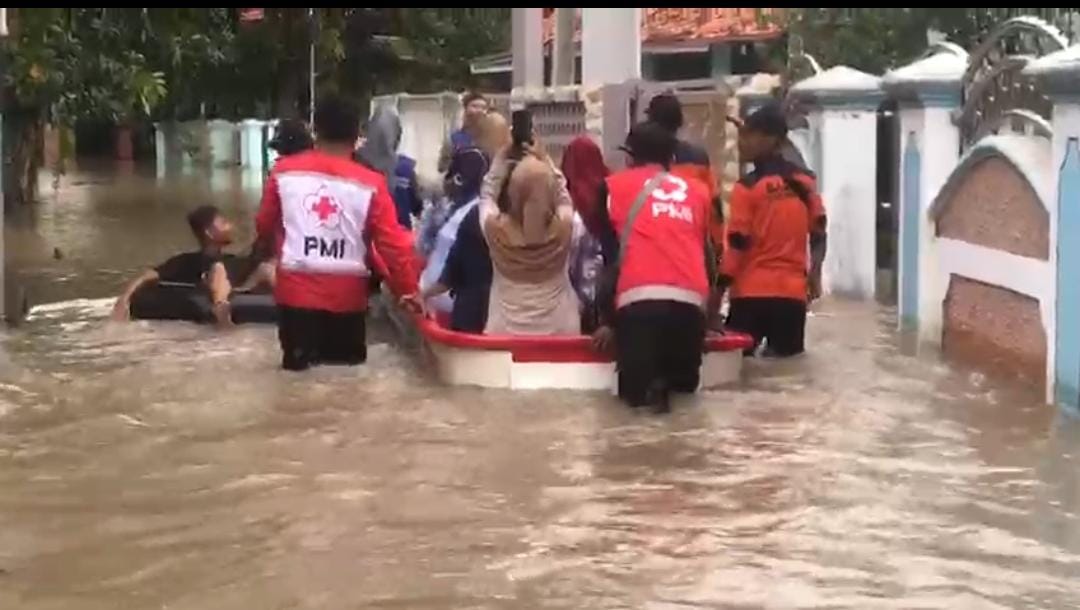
[(406, 195)]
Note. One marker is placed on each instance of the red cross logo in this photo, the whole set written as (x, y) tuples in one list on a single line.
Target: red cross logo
[(323, 207)]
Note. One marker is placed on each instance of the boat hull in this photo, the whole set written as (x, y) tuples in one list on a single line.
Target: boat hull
[(554, 362)]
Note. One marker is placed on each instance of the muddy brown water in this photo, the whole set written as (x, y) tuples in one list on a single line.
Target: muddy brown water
[(168, 466)]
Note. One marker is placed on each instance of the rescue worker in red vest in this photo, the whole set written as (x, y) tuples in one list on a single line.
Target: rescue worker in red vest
[(775, 213), (322, 210), (690, 161), (655, 242)]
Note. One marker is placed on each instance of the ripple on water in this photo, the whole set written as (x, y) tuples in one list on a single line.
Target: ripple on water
[(167, 465)]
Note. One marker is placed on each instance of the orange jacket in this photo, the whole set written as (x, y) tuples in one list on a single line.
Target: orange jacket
[(692, 162), (774, 209)]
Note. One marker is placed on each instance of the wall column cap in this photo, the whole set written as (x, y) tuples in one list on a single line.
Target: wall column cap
[(1058, 74), (935, 80), (841, 87)]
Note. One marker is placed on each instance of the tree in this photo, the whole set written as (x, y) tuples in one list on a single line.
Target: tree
[(66, 64), (127, 65), (877, 39)]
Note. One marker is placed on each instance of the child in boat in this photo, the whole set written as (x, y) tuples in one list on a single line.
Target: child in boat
[(209, 267)]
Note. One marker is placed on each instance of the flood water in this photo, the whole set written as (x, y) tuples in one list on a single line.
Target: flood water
[(154, 465)]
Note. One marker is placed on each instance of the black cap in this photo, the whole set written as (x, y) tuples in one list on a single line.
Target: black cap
[(648, 142), (769, 120), (666, 109), (292, 136)]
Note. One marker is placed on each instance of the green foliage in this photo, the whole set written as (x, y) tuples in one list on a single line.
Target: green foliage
[(123, 64), (77, 63)]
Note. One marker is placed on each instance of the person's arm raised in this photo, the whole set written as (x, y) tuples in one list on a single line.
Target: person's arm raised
[(492, 186)]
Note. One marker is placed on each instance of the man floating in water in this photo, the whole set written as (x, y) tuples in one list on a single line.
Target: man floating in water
[(209, 268)]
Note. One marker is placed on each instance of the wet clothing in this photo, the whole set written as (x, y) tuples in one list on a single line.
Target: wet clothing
[(774, 211), (191, 268), (667, 250), (780, 323), (407, 200), (309, 337), (467, 274), (322, 211), (658, 349)]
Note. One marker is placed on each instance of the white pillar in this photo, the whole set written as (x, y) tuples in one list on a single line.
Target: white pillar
[(224, 149), (251, 144), (562, 71), (928, 90), (271, 131), (160, 149), (527, 31), (1058, 76), (847, 101), (610, 46)]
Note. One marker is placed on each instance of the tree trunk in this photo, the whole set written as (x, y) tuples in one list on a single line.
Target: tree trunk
[(125, 146), (24, 139), (288, 90)]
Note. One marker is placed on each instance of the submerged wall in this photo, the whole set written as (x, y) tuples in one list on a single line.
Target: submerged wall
[(994, 278)]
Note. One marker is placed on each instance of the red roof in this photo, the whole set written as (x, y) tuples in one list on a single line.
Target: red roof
[(702, 25)]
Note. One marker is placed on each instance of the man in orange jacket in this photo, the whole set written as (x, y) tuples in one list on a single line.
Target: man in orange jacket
[(776, 213)]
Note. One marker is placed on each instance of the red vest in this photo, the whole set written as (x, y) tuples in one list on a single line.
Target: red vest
[(665, 254), (324, 212)]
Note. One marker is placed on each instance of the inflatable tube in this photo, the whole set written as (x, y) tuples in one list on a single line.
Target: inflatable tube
[(171, 301)]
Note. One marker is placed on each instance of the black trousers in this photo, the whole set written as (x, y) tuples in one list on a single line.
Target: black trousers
[(659, 346), (780, 323), (309, 337)]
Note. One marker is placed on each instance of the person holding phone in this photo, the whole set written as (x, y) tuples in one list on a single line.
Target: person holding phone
[(527, 218)]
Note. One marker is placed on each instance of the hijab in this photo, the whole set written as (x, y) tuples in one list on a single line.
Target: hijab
[(584, 168), (465, 176), (493, 134), (383, 136), (528, 241)]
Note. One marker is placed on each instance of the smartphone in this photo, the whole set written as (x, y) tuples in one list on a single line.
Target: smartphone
[(521, 127)]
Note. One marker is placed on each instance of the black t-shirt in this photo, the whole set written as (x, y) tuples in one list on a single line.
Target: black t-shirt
[(191, 267)]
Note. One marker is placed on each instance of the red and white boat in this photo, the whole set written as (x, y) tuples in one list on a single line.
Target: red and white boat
[(533, 363)]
